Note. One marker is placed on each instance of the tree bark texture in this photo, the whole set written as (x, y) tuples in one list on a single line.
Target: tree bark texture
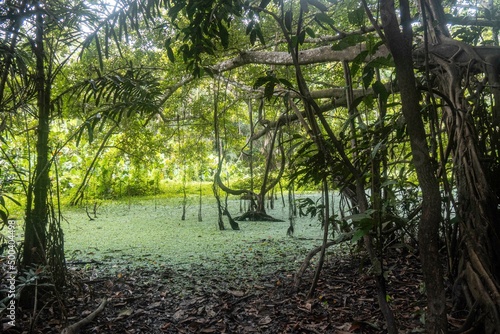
[(454, 64), (37, 209), (478, 268), (400, 45), (37, 214)]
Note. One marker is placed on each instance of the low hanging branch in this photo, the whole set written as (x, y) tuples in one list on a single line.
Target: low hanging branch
[(322, 54)]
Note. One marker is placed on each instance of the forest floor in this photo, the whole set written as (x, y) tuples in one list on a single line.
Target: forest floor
[(165, 300), (221, 282)]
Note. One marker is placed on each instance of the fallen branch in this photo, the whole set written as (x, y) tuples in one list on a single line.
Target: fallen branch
[(76, 327)]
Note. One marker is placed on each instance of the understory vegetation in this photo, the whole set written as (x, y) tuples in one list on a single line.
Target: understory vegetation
[(238, 150)]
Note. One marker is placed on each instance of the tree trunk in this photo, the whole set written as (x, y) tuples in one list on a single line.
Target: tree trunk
[(400, 45), (37, 209), (478, 271), (200, 207), (36, 218), (326, 225), (476, 274), (220, 221)]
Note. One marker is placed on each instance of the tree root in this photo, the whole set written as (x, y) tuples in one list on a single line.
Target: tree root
[(76, 327), (313, 252), (257, 216)]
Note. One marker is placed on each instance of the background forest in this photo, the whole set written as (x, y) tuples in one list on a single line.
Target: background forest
[(394, 107)]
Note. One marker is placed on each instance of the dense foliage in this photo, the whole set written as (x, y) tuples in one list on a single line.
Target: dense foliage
[(396, 109)]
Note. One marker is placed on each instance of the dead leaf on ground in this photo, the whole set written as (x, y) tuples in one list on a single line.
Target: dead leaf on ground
[(125, 313)]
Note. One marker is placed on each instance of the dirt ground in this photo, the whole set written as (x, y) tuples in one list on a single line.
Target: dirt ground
[(165, 300)]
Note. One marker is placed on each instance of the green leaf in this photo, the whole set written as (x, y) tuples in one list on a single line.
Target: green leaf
[(90, 132), (99, 52), (374, 46), (357, 16), (487, 14), (304, 6), (318, 5), (260, 82), (341, 45), (264, 3), (348, 41), (302, 37), (323, 17), (286, 83), (368, 74), (380, 62), (256, 32), (253, 37), (106, 40), (358, 217), (369, 101), (223, 35), (358, 234), (4, 217), (170, 52), (388, 183), (13, 200), (380, 90), (310, 32), (249, 27), (269, 89), (355, 66), (376, 149)]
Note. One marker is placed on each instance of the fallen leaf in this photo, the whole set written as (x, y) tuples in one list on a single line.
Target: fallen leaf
[(266, 320), (237, 293), (126, 312), (165, 326), (153, 305), (178, 315)]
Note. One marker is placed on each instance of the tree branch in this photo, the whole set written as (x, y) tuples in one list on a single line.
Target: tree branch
[(311, 56)]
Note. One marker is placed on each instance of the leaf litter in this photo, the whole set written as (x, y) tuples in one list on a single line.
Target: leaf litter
[(166, 300)]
